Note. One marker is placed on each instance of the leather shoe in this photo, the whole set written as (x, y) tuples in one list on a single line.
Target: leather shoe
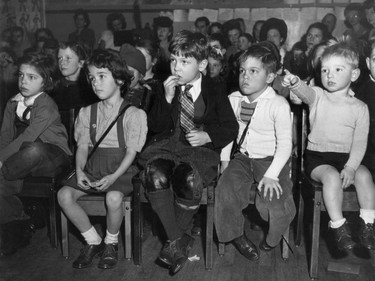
[(264, 246), (87, 254), (180, 248), (343, 237), (246, 248), (15, 235), (109, 257), (367, 234), (165, 257)]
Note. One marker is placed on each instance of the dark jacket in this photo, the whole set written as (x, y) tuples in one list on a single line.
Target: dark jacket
[(218, 120), (45, 124)]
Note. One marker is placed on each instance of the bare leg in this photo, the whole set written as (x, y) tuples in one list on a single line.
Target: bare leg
[(365, 188), (114, 209), (67, 197), (332, 191)]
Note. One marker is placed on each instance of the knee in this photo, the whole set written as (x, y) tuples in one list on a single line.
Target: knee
[(186, 183), (32, 150), (157, 175), (332, 180), (113, 199), (65, 197)]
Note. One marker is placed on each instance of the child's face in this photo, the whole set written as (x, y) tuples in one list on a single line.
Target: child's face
[(69, 64), (337, 73), (202, 27), (371, 63), (233, 36), (30, 82), (273, 35), (103, 83), (243, 43), (370, 16), (216, 44), (254, 78), (186, 69), (163, 33), (136, 76), (215, 67)]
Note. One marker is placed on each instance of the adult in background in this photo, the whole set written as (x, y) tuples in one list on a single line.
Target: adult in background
[(82, 33), (115, 22)]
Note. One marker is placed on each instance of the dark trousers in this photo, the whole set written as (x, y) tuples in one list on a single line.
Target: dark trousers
[(33, 158), (174, 212), (233, 195)]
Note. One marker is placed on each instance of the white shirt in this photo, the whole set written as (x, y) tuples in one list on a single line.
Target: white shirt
[(196, 89), (22, 104), (269, 132)]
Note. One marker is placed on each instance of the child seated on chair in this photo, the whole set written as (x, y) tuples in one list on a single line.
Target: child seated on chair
[(261, 160), (190, 121), (33, 141), (110, 169), (339, 125)]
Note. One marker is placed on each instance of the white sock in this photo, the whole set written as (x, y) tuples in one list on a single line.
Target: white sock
[(367, 215), (111, 238), (92, 237), (336, 224)]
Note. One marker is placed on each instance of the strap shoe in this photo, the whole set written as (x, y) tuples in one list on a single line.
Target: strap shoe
[(109, 257), (87, 254)]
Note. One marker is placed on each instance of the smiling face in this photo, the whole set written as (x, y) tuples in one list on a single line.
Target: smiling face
[(69, 64), (30, 82), (103, 83), (337, 74), (254, 78), (187, 69)]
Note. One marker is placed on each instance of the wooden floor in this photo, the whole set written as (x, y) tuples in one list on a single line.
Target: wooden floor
[(39, 262)]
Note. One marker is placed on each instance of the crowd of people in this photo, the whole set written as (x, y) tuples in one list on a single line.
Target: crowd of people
[(185, 104)]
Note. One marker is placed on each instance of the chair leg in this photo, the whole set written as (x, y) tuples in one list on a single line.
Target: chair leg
[(52, 217), (64, 235), (209, 225), (127, 225), (300, 215), (221, 249), (285, 245), (137, 223), (315, 235)]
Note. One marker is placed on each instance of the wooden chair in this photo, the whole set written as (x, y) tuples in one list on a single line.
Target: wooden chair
[(208, 199), (285, 247), (94, 205), (313, 190), (46, 187)]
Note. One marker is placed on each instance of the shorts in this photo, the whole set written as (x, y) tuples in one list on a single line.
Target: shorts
[(314, 159)]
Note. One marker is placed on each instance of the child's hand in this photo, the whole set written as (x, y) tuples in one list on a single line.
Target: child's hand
[(197, 137), (289, 79), (270, 185), (82, 180), (170, 87), (105, 182), (347, 176)]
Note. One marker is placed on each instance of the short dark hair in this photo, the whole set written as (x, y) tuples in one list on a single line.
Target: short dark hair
[(262, 52), (220, 38), (248, 37), (111, 59), (343, 49), (205, 19), (370, 47), (190, 44), (84, 14), (115, 16), (369, 4), (45, 65), (81, 49)]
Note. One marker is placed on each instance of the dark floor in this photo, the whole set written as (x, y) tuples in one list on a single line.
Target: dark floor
[(39, 262)]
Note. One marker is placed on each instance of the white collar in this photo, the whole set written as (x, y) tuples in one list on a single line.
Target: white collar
[(196, 87), (29, 102), (268, 93)]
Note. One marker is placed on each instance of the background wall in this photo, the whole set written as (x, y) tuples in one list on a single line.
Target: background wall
[(298, 14)]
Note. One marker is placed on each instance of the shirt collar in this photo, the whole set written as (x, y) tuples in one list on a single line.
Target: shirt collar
[(267, 94), (29, 102), (196, 89)]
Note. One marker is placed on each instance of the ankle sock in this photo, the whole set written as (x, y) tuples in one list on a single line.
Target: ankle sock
[(92, 237), (336, 224), (367, 215), (111, 238)]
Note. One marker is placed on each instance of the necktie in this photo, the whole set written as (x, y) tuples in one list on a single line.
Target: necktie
[(187, 110), (247, 111)]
